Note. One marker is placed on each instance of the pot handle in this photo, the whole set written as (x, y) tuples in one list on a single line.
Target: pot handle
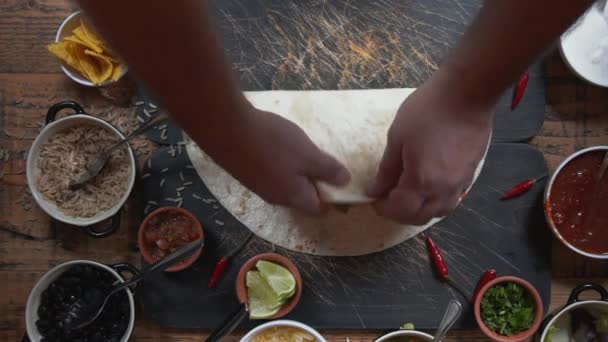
[(585, 287), (114, 225), (57, 107), (125, 267)]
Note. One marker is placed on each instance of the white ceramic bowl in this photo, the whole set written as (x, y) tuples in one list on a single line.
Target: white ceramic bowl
[(548, 188), (33, 301), (405, 333), (32, 170), (584, 46), (283, 323), (69, 24)]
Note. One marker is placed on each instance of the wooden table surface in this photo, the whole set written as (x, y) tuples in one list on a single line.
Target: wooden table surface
[(30, 81)]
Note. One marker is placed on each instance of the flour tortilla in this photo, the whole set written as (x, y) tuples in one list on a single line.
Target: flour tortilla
[(352, 126)]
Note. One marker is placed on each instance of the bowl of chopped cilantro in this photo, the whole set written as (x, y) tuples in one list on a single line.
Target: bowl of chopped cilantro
[(508, 309)]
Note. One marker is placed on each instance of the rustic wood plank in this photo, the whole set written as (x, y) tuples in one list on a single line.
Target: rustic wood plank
[(26, 26)]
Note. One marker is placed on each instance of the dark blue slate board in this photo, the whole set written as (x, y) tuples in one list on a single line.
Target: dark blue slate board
[(378, 291), (312, 45)]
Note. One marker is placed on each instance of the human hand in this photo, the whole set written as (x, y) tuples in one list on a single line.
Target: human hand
[(274, 158), (433, 148)]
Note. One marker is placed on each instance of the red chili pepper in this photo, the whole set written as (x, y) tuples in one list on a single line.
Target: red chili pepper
[(222, 264), (486, 277), (519, 90), (521, 188), (218, 270), (440, 266)]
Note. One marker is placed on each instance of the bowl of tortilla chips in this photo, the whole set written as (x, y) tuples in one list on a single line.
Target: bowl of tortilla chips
[(85, 57)]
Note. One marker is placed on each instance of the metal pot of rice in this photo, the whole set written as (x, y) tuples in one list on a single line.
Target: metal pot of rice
[(60, 154)]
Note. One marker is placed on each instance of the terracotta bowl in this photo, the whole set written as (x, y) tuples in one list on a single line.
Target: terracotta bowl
[(522, 336), (241, 287), (143, 247)]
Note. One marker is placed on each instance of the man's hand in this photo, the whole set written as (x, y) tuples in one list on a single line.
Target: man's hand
[(275, 158), (433, 148)]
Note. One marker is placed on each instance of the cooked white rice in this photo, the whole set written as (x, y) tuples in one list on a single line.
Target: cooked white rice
[(64, 157)]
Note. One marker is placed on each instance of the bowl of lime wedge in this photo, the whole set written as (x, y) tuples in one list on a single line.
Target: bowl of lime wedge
[(270, 284)]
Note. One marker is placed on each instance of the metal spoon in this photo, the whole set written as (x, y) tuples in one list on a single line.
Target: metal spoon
[(85, 310), (453, 311), (94, 166)]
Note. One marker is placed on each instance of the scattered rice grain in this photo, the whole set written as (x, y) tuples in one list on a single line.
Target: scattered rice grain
[(181, 176), (187, 183), (163, 134), (146, 113), (216, 207), (162, 182), (219, 223), (147, 209), (140, 119), (152, 105), (181, 188), (145, 175), (139, 103), (197, 196), (171, 199), (153, 110), (164, 170), (179, 149)]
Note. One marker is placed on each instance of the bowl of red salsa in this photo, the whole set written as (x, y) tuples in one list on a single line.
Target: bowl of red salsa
[(576, 204), (166, 229)]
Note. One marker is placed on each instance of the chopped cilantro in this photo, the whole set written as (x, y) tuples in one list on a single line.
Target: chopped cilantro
[(507, 309)]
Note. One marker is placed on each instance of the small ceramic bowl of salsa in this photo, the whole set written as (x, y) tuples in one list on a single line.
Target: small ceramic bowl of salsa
[(575, 203), (165, 230)]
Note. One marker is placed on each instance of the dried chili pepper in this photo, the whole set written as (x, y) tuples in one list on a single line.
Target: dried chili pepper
[(440, 266), (221, 265), (521, 188), (486, 277), (519, 90)]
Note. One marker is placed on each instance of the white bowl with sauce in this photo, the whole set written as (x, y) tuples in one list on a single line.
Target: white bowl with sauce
[(286, 324), (547, 202), (32, 169)]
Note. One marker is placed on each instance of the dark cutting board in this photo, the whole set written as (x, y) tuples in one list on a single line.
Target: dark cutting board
[(354, 44), (378, 291)]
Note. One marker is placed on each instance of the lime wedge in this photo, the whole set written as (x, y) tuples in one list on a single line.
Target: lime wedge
[(278, 277), (263, 302)]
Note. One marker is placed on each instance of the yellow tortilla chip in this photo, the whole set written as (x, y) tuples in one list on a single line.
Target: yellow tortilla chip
[(86, 31), (105, 66), (118, 68), (75, 40), (64, 51), (89, 66), (79, 33)]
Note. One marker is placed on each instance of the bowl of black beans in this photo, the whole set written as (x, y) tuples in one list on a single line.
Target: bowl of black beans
[(55, 293)]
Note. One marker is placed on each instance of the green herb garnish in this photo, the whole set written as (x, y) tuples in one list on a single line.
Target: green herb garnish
[(549, 336), (601, 323), (407, 326), (507, 309)]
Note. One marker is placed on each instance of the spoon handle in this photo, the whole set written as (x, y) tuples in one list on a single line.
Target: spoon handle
[(452, 313), (146, 127), (229, 324), (164, 263)]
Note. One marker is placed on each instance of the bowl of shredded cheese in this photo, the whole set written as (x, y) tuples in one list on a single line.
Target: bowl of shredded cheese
[(283, 331)]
